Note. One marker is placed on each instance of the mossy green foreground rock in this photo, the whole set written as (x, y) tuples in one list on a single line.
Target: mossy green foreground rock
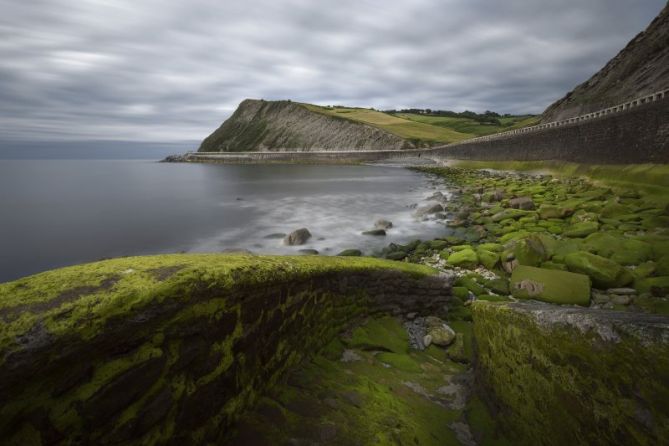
[(172, 349), (569, 376), (560, 287)]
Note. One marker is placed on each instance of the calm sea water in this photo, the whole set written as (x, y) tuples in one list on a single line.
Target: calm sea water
[(62, 212)]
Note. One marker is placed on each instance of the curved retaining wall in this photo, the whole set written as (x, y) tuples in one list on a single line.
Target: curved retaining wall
[(170, 349), (630, 135)]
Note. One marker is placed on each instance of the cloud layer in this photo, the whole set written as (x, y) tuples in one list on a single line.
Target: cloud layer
[(166, 70)]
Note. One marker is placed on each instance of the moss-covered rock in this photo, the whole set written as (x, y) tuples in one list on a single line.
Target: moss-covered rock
[(350, 253), (565, 376), (657, 286), (172, 349), (604, 273), (465, 258), (550, 285), (488, 259), (581, 229)]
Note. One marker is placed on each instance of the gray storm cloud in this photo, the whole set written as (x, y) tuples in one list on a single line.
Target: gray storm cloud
[(173, 70)]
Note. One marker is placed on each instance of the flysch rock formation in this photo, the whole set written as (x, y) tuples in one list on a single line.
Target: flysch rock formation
[(259, 125)]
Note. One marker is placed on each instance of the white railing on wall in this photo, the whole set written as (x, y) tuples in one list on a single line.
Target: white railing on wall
[(664, 94)]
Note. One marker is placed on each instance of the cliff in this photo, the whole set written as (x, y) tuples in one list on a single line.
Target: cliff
[(284, 125), (641, 68)]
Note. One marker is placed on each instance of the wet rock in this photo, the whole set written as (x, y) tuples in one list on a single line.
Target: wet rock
[(350, 253), (297, 237), (396, 255), (309, 252), (619, 299), (429, 209), (375, 232), (604, 273), (456, 352), (600, 298), (510, 213), (350, 356), (549, 211), (553, 286), (465, 258), (175, 159), (276, 235), (657, 286), (487, 258), (524, 203), (621, 291), (439, 332), (383, 224), (582, 229)]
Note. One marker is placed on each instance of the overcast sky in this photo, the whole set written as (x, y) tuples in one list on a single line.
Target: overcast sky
[(162, 70)]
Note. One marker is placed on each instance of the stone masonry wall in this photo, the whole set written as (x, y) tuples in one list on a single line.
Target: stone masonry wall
[(639, 135), (171, 351), (570, 376)]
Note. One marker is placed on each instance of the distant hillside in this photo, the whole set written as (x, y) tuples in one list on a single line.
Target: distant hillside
[(275, 125), (284, 125), (641, 68)]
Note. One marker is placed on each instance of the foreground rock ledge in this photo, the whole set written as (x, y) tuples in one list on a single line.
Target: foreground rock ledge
[(172, 349), (566, 375)]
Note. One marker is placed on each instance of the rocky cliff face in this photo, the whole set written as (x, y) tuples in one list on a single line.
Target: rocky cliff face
[(284, 125), (641, 68)]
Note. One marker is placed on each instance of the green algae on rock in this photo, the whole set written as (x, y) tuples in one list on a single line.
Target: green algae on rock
[(564, 375), (146, 350), (549, 285)]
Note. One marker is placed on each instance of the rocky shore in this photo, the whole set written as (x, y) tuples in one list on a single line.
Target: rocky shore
[(559, 240)]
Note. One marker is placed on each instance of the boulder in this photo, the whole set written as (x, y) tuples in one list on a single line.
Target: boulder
[(350, 253), (440, 333), (582, 229), (605, 273), (383, 224), (488, 259), (549, 285), (429, 209), (528, 251), (309, 252), (275, 235), (632, 252), (510, 213), (466, 258), (297, 237), (524, 203), (375, 232), (548, 211), (396, 255)]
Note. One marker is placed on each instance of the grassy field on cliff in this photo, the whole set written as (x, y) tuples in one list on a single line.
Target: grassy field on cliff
[(428, 129), (471, 127)]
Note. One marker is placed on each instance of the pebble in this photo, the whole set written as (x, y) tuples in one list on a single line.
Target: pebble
[(621, 291), (621, 299)]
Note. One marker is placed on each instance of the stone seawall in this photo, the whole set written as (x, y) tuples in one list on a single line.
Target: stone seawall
[(305, 157), (638, 135), (568, 376), (171, 349)]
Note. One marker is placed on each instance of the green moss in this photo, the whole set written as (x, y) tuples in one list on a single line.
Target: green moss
[(381, 334), (549, 285), (561, 383)]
